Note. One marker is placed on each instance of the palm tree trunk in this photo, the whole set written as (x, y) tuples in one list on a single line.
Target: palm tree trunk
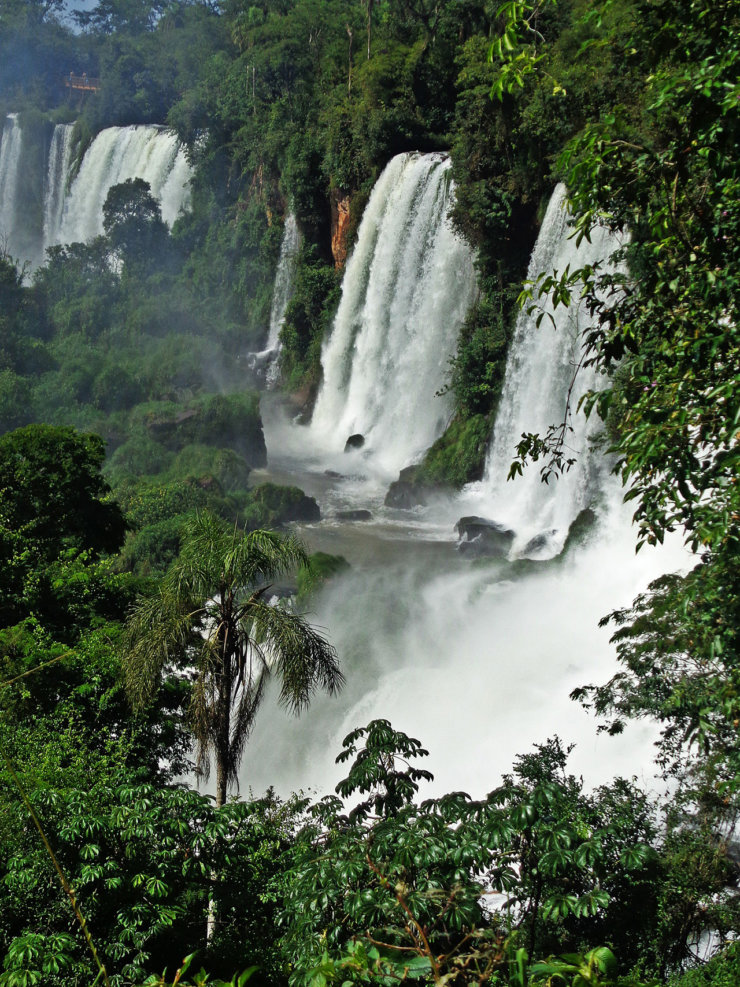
[(221, 788), (223, 731), (221, 783)]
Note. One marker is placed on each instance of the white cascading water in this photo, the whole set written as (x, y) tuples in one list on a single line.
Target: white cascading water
[(265, 361), (284, 280), (475, 659), (540, 369), (60, 153), (407, 288), (117, 154), (10, 173), (67, 215)]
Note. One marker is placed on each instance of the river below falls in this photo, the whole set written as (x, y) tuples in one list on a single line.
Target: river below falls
[(476, 659)]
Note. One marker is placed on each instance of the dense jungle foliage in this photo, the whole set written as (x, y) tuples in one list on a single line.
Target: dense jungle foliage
[(140, 336)]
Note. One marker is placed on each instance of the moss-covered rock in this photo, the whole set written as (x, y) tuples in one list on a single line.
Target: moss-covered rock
[(228, 467), (150, 551), (148, 502), (456, 458), (271, 505), (323, 567), (406, 491), (221, 420)]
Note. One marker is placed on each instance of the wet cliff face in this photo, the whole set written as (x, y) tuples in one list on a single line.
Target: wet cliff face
[(340, 220)]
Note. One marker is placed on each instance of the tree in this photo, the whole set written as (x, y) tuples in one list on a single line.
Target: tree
[(403, 884), (33, 12), (140, 858), (133, 223), (210, 618), (56, 525), (125, 16), (54, 493), (664, 340)]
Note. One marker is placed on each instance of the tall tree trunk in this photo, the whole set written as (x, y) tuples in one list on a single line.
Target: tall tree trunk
[(369, 4), (221, 784), (222, 745), (349, 62)]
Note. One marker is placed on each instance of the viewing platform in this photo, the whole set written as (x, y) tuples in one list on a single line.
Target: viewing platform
[(81, 83)]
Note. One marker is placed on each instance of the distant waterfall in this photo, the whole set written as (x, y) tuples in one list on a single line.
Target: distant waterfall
[(10, 173), (407, 288), (117, 154), (56, 179), (284, 279), (37, 209), (541, 365), (266, 362)]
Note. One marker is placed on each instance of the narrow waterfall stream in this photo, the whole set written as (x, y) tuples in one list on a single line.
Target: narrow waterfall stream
[(476, 658), (284, 277), (265, 362), (12, 232), (60, 154)]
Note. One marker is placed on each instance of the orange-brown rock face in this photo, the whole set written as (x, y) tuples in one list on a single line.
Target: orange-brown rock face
[(339, 227)]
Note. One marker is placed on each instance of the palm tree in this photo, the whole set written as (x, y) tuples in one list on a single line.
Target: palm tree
[(210, 617)]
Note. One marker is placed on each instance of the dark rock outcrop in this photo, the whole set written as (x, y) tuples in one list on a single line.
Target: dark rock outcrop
[(539, 543), (580, 530), (405, 492), (271, 504), (356, 441), (481, 537)]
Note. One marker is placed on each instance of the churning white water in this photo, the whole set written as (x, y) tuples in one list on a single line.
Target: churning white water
[(476, 660), (407, 288), (117, 154)]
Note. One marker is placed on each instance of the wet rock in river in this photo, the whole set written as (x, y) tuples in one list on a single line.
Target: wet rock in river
[(481, 537)]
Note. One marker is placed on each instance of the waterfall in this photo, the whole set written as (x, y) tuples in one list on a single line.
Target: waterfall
[(539, 371), (407, 288), (265, 362), (56, 179), (37, 209), (117, 154), (10, 172), (466, 657), (476, 657), (284, 279)]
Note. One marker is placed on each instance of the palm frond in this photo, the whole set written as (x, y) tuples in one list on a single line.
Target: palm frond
[(302, 659), (244, 715), (158, 632)]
